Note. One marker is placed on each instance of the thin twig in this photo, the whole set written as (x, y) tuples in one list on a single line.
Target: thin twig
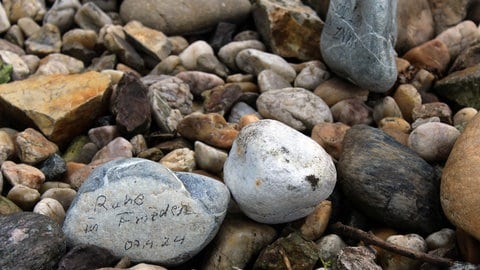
[(370, 238)]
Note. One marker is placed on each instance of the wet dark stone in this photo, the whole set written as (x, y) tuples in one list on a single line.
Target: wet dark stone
[(53, 167), (389, 182), (30, 241), (85, 257)]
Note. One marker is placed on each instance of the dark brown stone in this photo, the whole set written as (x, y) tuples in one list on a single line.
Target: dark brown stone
[(389, 182), (85, 257), (131, 106)]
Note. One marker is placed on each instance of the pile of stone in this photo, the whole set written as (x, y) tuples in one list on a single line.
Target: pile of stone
[(229, 134)]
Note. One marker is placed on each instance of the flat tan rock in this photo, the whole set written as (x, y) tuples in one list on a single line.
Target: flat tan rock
[(460, 182), (61, 106)]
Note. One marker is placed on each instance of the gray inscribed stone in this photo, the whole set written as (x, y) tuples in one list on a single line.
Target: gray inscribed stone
[(276, 174), (357, 42), (138, 208)]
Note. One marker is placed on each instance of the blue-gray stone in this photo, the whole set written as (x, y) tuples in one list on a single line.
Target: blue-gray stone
[(138, 208), (357, 42)]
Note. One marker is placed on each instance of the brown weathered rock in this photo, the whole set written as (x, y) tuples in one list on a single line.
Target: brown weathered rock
[(336, 89), (407, 97), (32, 147), (151, 41), (290, 28), (460, 182), (415, 24), (468, 58), (22, 174), (131, 106), (209, 128), (330, 137), (447, 13), (63, 107), (433, 56), (432, 109), (316, 223), (459, 37)]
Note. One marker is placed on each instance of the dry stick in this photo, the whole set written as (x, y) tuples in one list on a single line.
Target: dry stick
[(370, 238)]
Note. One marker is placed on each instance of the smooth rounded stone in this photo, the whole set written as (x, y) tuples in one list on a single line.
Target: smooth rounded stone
[(8, 207), (329, 247), (311, 76), (50, 208), (463, 116), (87, 257), (398, 135), (407, 97), (54, 167), (270, 80), (90, 16), (361, 257), (188, 18), (315, 224), (86, 153), (269, 165), (330, 137), (101, 136), (150, 41), (32, 61), (20, 68), (180, 160), (290, 28), (296, 107), (28, 26), (7, 147), (390, 260), (179, 43), (199, 81), (433, 109), (80, 43), (4, 22), (459, 37), (240, 77), (45, 41), (335, 89), (395, 123), (433, 141), (247, 120), (32, 147), (209, 158), (15, 35), (15, 10), (77, 173), (239, 110), (432, 55), (64, 196), (30, 241), (423, 80), (459, 185), (209, 128), (253, 61), (22, 174), (387, 107), (237, 241), (228, 52), (9, 46), (57, 63), (157, 216), (176, 93), (23, 196), (210, 63), (169, 66), (301, 254), (351, 112), (247, 35), (62, 14), (119, 147), (443, 238), (358, 40), (52, 184), (415, 24), (190, 55), (389, 182)]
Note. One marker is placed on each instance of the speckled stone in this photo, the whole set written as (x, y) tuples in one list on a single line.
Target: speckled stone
[(269, 165), (165, 219)]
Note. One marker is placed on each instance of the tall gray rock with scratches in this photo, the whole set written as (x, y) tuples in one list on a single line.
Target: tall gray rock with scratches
[(358, 40)]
